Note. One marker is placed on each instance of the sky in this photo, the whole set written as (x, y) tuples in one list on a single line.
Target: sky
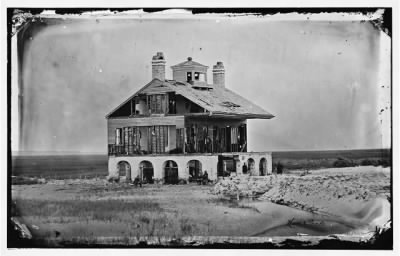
[(326, 82)]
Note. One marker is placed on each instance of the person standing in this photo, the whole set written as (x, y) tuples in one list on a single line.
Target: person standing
[(244, 168), (205, 178)]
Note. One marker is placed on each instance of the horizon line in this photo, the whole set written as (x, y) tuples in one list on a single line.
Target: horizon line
[(33, 153)]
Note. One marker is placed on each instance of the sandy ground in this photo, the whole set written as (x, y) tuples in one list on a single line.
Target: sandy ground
[(357, 195), (331, 201)]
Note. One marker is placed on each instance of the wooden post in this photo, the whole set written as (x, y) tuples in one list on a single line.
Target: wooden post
[(131, 107), (184, 140), (166, 103)]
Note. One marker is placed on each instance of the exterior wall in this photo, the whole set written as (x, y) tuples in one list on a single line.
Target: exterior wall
[(155, 88), (256, 156), (114, 123), (208, 162), (179, 76), (179, 73)]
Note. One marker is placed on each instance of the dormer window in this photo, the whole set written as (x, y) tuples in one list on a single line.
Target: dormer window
[(189, 76)]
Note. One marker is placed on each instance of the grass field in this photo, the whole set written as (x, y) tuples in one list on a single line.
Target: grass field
[(81, 166)]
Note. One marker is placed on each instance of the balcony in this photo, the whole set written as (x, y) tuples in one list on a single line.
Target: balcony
[(132, 150), (190, 148), (125, 150), (116, 150)]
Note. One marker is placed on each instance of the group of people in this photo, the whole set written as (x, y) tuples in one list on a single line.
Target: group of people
[(137, 181), (199, 178), (202, 179)]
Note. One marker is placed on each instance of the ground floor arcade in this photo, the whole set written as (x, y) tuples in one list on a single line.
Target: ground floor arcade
[(172, 168)]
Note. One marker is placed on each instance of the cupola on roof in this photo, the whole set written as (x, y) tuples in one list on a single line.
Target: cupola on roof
[(190, 71), (189, 63)]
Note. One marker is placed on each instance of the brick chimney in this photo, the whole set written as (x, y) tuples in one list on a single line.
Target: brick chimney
[(158, 66), (219, 74)]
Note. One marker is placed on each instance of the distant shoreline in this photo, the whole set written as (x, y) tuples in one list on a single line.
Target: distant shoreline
[(74, 164), (24, 153), (66, 153)]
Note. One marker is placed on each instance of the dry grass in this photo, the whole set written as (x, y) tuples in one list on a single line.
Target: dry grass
[(233, 203), (103, 210), (91, 219)]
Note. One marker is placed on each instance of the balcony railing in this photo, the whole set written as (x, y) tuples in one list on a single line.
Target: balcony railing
[(190, 149), (116, 149), (134, 150)]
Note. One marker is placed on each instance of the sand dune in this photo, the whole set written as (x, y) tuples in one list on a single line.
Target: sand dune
[(358, 195)]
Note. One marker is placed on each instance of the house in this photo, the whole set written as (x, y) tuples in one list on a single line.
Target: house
[(180, 128)]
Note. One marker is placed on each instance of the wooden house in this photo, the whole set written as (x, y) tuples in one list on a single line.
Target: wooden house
[(179, 128)]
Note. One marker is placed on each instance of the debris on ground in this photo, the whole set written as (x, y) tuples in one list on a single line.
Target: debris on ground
[(242, 185), (22, 180), (21, 228), (358, 191)]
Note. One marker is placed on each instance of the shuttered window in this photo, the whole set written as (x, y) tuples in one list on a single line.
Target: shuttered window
[(235, 139), (180, 140), (131, 140), (158, 138), (118, 132), (214, 139), (157, 103)]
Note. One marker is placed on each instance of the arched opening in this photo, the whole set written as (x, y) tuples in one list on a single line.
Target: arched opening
[(251, 166), (226, 165), (171, 172), (263, 166), (124, 170), (146, 172), (195, 170)]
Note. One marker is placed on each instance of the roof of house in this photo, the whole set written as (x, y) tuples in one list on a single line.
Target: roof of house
[(189, 63), (218, 101)]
